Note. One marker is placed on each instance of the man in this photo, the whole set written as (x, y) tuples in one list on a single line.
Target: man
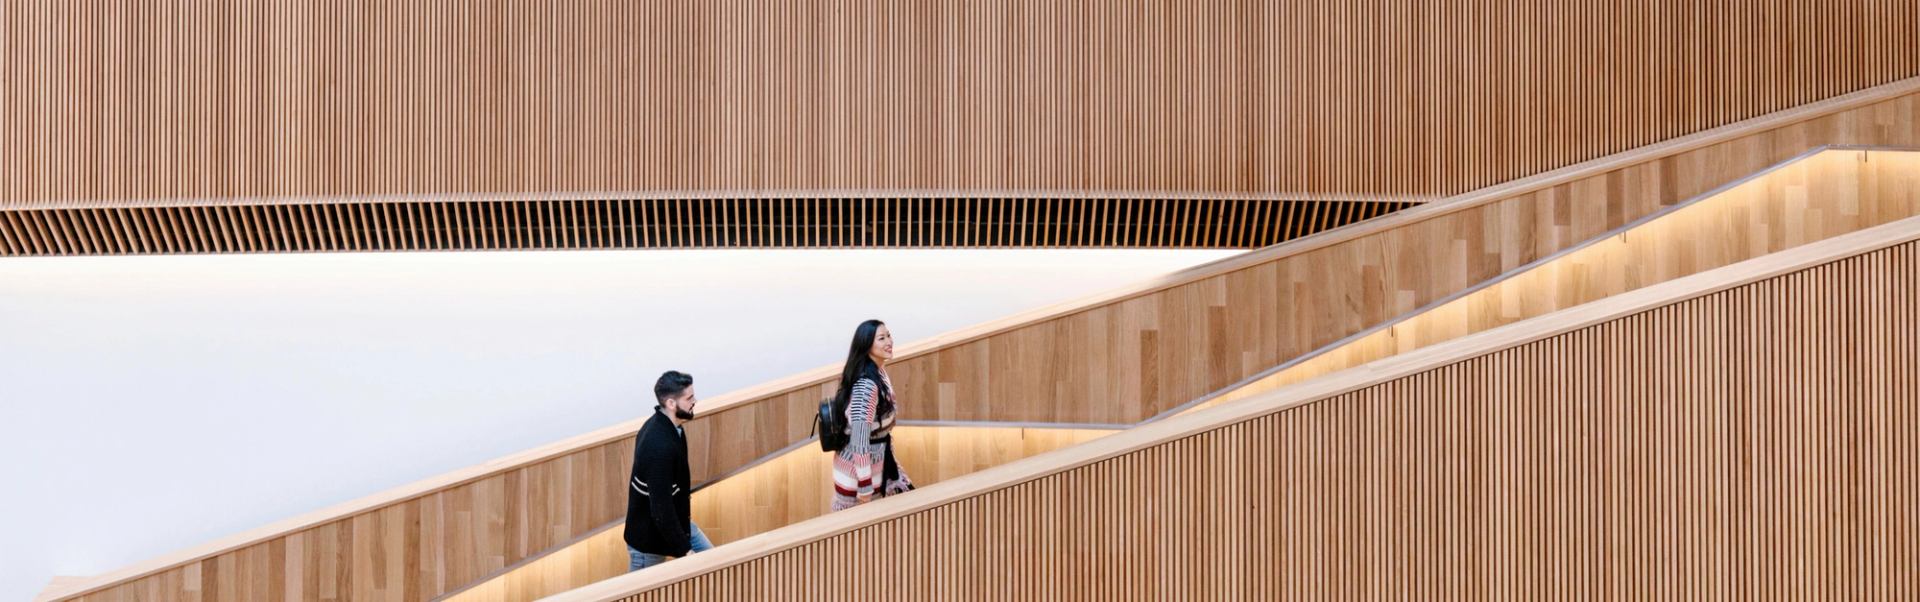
[(659, 494)]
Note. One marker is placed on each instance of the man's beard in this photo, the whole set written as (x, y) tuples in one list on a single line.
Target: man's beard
[(683, 413)]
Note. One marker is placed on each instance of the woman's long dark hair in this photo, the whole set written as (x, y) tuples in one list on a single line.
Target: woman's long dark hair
[(860, 365)]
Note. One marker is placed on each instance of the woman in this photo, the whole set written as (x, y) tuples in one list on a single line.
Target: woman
[(865, 468)]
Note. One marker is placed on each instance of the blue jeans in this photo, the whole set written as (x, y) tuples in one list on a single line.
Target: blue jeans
[(696, 541)]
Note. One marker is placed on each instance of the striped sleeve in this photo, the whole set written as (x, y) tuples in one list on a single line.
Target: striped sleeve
[(859, 450)]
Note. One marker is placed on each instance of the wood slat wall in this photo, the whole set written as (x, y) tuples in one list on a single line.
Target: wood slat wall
[(786, 490), (465, 224), (1131, 359), (144, 99), (798, 486), (1827, 194), (413, 549), (1822, 196), (1752, 442), (1117, 359)]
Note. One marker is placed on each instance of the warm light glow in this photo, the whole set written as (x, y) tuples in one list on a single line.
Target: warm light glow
[(779, 492), (1817, 198)]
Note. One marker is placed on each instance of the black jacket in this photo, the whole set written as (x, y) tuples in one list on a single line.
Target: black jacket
[(659, 494)]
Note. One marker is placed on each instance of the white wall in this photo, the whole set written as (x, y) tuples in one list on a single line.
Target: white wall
[(149, 404)]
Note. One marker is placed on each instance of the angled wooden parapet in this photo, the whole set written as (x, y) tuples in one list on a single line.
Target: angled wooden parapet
[(1129, 355), (1823, 194), (786, 490), (1743, 433), (1117, 358), (1110, 359), (1826, 193)]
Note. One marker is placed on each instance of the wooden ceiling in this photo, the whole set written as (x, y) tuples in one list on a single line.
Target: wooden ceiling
[(411, 124)]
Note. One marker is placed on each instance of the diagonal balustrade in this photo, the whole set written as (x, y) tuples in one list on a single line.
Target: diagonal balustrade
[(1820, 195), (1826, 193), (1115, 359), (1741, 432)]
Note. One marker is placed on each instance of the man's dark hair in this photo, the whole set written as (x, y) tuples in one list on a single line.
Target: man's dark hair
[(671, 384)]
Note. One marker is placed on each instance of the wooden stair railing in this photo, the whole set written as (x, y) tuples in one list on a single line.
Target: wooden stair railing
[(1741, 432), (1819, 195), (1116, 358), (1824, 193)]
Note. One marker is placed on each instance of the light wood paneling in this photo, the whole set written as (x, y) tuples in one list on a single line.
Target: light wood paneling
[(145, 99), (600, 556), (610, 124), (59, 583), (1824, 195), (796, 487), (1120, 357), (409, 549), (464, 224), (777, 493), (1136, 354), (1746, 433)]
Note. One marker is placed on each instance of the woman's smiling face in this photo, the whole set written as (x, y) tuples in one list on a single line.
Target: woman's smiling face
[(882, 349)]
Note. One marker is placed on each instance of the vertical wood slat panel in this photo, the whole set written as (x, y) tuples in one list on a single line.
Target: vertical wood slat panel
[(1828, 194), (780, 492), (198, 100), (1749, 440), (1147, 330)]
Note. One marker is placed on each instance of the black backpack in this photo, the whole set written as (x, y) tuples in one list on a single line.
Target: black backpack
[(831, 427)]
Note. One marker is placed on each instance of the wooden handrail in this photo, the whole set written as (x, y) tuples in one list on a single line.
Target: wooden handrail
[(1508, 275), (1424, 212), (1179, 427), (745, 397), (1864, 203)]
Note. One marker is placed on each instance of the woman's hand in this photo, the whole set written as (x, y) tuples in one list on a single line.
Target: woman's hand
[(900, 485)]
